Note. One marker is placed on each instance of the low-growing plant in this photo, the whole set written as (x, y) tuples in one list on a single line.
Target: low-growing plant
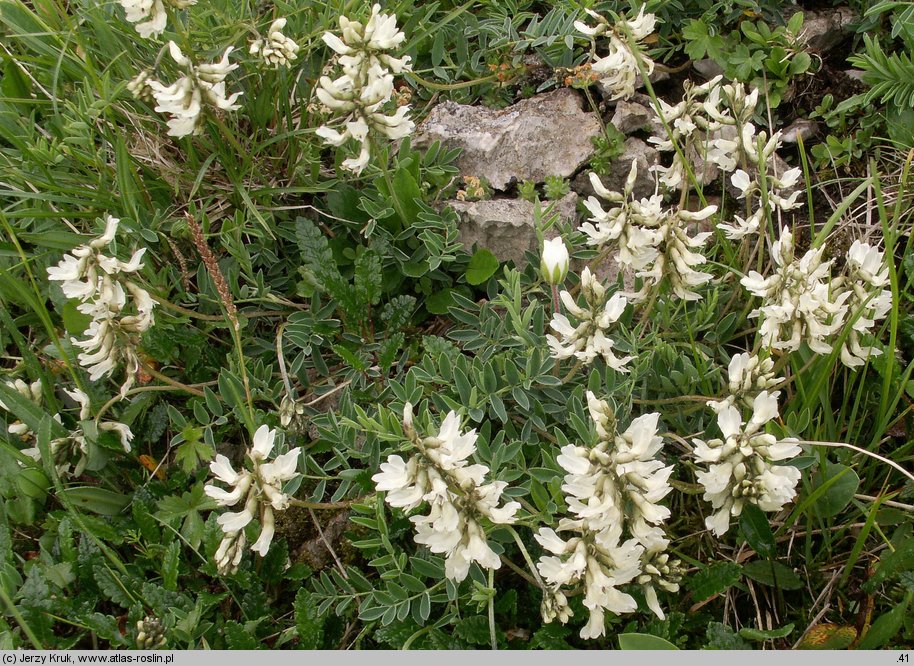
[(268, 399)]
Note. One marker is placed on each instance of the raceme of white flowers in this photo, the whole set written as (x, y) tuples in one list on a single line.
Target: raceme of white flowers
[(588, 339), (868, 300), (459, 500), (201, 87), (798, 304), (359, 96), (611, 488), (653, 241), (618, 69), (747, 376), (276, 48), (101, 285), (75, 445), (151, 16), (258, 491), (741, 467)]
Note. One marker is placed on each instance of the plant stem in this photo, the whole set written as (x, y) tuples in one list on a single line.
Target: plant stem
[(492, 636)]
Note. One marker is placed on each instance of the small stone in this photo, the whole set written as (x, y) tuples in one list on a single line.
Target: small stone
[(614, 181), (546, 135), (824, 30), (630, 117), (505, 226), (801, 128), (708, 68)]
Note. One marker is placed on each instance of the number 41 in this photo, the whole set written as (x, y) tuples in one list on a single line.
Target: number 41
[(903, 658)]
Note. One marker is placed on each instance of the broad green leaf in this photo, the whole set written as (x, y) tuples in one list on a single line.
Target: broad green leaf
[(886, 626), (98, 500), (754, 525), (773, 574), (482, 266), (839, 493), (644, 642)]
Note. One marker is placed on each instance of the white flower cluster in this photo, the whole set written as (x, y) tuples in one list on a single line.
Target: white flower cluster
[(798, 305), (610, 488), (747, 376), (751, 191), (202, 87), (151, 16), (458, 497), (99, 282), (588, 339), (868, 299), (276, 48), (693, 123), (619, 67), (32, 393), (366, 84), (651, 240), (260, 492), (64, 449), (741, 467)]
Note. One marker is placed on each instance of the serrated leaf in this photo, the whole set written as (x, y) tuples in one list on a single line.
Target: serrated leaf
[(713, 580), (473, 630), (308, 623), (112, 586), (237, 637), (170, 562), (721, 637)]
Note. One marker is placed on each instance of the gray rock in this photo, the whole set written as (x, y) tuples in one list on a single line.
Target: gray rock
[(823, 30), (630, 117), (801, 128), (546, 135), (708, 68), (505, 226), (635, 149)]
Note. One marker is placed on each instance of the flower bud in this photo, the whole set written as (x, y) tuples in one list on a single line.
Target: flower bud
[(554, 262)]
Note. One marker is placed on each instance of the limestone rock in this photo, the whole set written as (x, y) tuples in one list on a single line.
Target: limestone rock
[(823, 30), (630, 117), (546, 135), (505, 226), (635, 149)]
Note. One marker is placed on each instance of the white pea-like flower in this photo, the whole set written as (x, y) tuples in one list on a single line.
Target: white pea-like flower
[(741, 467), (588, 339), (600, 561), (202, 87), (747, 375), (457, 495), (259, 491), (101, 284), (276, 48), (150, 17), (554, 261), (75, 445), (868, 300), (798, 304), (361, 94), (618, 69)]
